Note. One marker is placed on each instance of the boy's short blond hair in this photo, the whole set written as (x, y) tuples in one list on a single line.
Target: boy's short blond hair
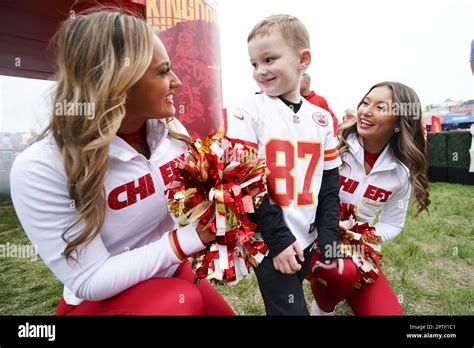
[(291, 28)]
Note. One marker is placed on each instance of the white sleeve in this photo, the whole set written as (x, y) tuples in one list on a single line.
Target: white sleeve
[(44, 209), (242, 124), (392, 218), (331, 154)]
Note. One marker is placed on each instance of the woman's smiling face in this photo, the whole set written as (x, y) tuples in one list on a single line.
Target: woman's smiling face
[(152, 95), (374, 116)]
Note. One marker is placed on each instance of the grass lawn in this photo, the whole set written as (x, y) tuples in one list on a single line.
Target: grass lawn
[(430, 265)]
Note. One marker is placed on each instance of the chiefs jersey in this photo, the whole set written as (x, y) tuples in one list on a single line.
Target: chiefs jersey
[(298, 147), (137, 239), (386, 187)]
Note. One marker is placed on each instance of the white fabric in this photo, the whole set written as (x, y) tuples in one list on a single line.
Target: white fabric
[(133, 244), (316, 311), (266, 122), (388, 175)]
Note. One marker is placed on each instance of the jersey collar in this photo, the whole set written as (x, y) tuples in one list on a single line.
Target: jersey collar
[(386, 160), (290, 114), (156, 133)]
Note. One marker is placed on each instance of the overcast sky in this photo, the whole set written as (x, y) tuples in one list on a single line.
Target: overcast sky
[(355, 44)]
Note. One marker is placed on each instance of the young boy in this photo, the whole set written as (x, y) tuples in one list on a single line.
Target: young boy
[(297, 140)]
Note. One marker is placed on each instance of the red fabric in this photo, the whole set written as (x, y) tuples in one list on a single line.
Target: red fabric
[(329, 288), (158, 296), (136, 137), (180, 251), (375, 299), (371, 158), (320, 101)]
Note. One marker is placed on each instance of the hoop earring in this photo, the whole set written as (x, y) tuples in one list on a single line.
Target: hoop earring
[(397, 130)]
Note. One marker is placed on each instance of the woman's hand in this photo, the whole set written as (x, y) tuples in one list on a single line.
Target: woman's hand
[(205, 233), (330, 264), (255, 191)]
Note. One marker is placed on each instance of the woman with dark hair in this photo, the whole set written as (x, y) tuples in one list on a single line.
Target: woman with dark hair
[(383, 159)]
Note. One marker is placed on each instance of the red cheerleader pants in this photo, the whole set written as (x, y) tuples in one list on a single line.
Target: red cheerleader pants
[(329, 288), (158, 296)]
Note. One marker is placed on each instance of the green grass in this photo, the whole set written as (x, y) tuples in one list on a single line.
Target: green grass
[(430, 265)]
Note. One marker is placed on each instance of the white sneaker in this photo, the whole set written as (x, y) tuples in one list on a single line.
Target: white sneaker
[(315, 310)]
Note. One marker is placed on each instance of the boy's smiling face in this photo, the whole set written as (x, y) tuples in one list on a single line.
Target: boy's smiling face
[(277, 66)]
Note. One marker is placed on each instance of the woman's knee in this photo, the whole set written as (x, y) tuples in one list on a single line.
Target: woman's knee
[(349, 274), (169, 296), (350, 270)]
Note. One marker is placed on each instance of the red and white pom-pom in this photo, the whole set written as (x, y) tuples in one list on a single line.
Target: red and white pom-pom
[(219, 182), (360, 242)]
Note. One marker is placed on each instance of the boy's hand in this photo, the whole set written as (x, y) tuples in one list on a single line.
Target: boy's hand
[(330, 264), (286, 262)]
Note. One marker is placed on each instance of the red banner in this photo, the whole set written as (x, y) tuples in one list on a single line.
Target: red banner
[(425, 135), (190, 33), (435, 124)]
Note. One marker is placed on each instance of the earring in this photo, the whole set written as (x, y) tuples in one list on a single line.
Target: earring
[(397, 130)]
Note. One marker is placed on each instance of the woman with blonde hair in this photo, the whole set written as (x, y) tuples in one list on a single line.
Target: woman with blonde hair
[(90, 192), (383, 159)]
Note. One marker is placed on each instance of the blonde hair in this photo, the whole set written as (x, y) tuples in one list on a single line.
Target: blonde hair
[(292, 30), (408, 145), (100, 55)]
